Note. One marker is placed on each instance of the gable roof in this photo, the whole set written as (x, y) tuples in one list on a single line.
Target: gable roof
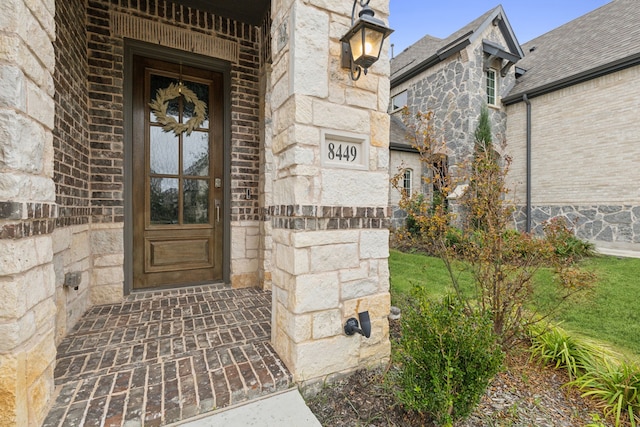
[(430, 50), (600, 42), (399, 136)]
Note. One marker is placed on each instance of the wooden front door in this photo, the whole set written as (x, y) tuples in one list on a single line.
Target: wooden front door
[(177, 174)]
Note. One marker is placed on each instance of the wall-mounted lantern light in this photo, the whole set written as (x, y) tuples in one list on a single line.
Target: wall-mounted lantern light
[(362, 44)]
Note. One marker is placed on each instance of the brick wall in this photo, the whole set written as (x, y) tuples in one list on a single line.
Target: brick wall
[(105, 74), (71, 131)]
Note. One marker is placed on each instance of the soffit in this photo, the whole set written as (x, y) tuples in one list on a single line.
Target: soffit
[(249, 11)]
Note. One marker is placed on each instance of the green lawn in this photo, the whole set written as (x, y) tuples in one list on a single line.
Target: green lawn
[(610, 313)]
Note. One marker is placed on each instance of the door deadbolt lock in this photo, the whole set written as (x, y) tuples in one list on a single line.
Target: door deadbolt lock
[(218, 182)]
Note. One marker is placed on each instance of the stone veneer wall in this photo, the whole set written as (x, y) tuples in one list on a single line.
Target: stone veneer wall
[(454, 90), (106, 99), (585, 151), (27, 211), (329, 225), (610, 226)]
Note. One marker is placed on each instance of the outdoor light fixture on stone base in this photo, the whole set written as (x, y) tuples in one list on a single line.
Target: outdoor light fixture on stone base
[(362, 44)]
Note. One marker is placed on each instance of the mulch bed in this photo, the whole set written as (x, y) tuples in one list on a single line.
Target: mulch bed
[(523, 394)]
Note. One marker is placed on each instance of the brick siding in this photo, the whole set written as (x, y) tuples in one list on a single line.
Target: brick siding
[(71, 130), (105, 76)]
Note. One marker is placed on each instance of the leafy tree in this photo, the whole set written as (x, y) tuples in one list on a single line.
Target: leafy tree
[(502, 260)]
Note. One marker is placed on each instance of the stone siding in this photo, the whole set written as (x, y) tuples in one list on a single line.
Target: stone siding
[(454, 90), (27, 211), (328, 225), (609, 226), (585, 151)]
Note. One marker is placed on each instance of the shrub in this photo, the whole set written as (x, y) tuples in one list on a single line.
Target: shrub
[(448, 357), (564, 241), (617, 385), (552, 344)]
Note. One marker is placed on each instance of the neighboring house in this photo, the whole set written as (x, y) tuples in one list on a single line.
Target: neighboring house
[(567, 106), (98, 199), (577, 107), (453, 78)]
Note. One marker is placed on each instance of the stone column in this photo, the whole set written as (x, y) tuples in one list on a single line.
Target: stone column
[(27, 211), (328, 211)]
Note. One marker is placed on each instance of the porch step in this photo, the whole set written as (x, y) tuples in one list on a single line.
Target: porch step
[(161, 357)]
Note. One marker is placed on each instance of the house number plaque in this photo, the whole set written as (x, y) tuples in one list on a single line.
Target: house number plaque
[(344, 150)]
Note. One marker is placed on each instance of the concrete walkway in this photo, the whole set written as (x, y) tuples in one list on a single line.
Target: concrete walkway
[(277, 410)]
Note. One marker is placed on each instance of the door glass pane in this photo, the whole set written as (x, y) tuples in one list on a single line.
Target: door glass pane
[(163, 151), (164, 201), (202, 92), (196, 154), (196, 201), (162, 82)]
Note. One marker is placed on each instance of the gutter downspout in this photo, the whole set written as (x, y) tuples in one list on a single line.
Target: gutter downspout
[(526, 100)]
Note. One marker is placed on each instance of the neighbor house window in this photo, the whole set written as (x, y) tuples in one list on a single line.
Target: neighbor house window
[(407, 180), (399, 101), (491, 87)]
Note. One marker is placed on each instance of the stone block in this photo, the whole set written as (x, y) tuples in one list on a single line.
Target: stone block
[(325, 237), (310, 52), (61, 239), (13, 303), (315, 292), (17, 256), (39, 284), (45, 315), (296, 155), (238, 237), (106, 294), (245, 280), (292, 260), (344, 187), (107, 240), (31, 187), (380, 122), (327, 324), (16, 332), (23, 143), (80, 247), (43, 11), (13, 387), (374, 244), (40, 358), (334, 257), (296, 326), (107, 276), (362, 272), (40, 393), (318, 358), (377, 305), (359, 288), (338, 117), (12, 86), (40, 105), (112, 260), (362, 99)]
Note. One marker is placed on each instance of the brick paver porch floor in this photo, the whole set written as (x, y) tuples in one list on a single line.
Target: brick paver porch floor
[(161, 357)]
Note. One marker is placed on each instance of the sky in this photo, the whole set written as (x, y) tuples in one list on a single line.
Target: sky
[(413, 19)]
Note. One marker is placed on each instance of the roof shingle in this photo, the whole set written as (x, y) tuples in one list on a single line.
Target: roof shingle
[(608, 34)]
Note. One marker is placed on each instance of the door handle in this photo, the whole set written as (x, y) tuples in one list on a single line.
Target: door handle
[(217, 203)]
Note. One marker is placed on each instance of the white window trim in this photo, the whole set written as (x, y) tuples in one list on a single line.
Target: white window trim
[(408, 172), (393, 110), (495, 86)]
